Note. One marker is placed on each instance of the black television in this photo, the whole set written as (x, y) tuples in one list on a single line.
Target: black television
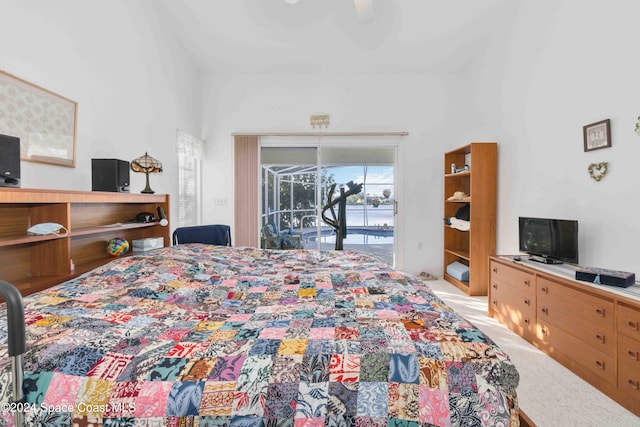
[(547, 240)]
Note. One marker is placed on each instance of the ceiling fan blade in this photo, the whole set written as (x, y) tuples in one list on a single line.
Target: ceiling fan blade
[(364, 9)]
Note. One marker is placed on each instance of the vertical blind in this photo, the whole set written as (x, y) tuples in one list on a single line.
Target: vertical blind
[(246, 194), (189, 149)]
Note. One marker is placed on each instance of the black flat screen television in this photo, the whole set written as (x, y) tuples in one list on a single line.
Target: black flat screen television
[(552, 241)]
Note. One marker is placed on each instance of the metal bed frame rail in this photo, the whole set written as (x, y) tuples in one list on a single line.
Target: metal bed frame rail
[(16, 343)]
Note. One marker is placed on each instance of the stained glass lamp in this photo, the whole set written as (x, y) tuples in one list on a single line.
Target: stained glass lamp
[(146, 164)]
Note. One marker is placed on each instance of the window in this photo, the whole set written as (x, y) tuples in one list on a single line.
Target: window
[(189, 150)]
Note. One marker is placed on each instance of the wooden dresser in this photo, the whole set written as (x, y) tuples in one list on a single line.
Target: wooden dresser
[(593, 330), (33, 263)]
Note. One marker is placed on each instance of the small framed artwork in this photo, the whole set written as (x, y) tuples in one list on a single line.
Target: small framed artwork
[(597, 135)]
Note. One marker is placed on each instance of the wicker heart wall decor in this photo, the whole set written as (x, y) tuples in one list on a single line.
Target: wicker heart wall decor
[(598, 171)]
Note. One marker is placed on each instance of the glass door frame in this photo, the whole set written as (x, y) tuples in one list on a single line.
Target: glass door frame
[(352, 141)]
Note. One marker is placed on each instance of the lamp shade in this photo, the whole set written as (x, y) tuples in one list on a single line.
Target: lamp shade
[(147, 165)]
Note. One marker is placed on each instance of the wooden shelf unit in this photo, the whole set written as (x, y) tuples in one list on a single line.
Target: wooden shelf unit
[(33, 263), (471, 247), (593, 330)]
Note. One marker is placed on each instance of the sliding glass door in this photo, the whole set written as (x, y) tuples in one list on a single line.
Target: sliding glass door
[(297, 184)]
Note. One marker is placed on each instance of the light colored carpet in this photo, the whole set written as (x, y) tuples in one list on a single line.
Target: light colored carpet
[(549, 394)]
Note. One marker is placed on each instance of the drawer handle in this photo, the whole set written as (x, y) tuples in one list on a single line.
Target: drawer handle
[(494, 302), (495, 269), (600, 338), (527, 302), (600, 364), (633, 325), (633, 354), (527, 283), (494, 286), (600, 312), (545, 289), (527, 321), (633, 384), (545, 310), (544, 331)]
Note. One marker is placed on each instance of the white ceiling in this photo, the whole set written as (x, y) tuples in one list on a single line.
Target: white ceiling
[(328, 36)]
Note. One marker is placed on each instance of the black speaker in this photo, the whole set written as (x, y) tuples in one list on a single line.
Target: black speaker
[(9, 161), (110, 175)]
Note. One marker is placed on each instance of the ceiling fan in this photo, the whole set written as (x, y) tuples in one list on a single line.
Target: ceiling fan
[(364, 8)]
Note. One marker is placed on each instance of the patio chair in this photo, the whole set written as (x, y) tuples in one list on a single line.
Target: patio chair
[(215, 234), (273, 239)]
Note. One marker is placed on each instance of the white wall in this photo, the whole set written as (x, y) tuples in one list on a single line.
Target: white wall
[(133, 84), (418, 104), (531, 85), (567, 64)]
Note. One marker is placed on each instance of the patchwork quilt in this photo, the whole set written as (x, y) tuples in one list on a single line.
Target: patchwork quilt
[(199, 335)]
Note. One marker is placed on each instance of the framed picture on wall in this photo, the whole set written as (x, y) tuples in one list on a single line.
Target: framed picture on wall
[(597, 135), (44, 121)]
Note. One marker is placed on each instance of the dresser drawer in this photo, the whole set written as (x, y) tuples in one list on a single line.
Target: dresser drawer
[(629, 366), (564, 304), (629, 321), (519, 279), (562, 313), (513, 308), (595, 336), (558, 342)]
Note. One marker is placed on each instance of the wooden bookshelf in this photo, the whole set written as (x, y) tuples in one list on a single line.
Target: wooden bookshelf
[(33, 263), (479, 182)]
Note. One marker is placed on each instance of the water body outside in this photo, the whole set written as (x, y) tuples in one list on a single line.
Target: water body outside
[(368, 230), (379, 221)]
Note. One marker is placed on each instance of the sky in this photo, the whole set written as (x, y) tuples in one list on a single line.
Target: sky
[(375, 175)]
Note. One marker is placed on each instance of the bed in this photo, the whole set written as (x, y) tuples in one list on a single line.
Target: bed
[(201, 335)]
